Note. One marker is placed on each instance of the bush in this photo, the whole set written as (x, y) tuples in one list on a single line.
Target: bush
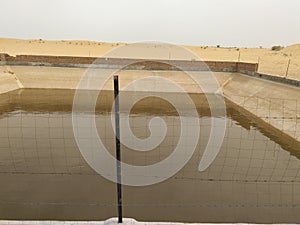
[(277, 48)]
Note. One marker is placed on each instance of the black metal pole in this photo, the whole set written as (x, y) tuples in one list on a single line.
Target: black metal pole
[(118, 152), (287, 69)]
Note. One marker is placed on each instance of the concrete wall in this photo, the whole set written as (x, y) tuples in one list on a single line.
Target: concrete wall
[(274, 104), (8, 81), (142, 64), (48, 77)]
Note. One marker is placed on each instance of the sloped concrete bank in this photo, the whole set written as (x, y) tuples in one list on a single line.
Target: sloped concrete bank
[(273, 103), (8, 80)]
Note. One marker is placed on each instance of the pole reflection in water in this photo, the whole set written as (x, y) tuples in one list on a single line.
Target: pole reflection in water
[(255, 178)]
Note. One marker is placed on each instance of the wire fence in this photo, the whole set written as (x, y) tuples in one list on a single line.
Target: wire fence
[(281, 114), (40, 163)]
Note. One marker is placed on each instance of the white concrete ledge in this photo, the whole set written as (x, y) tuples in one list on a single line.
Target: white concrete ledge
[(112, 221)]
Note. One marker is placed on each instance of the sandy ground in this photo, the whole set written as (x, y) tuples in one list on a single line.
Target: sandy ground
[(270, 62)]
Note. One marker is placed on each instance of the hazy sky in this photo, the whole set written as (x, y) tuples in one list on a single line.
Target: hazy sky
[(191, 22)]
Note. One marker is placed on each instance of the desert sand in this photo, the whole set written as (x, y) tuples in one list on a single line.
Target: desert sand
[(270, 62)]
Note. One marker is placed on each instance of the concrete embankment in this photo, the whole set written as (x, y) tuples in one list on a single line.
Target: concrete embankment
[(275, 104), (126, 63), (8, 80)]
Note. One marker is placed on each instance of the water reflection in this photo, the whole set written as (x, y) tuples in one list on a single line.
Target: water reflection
[(255, 177)]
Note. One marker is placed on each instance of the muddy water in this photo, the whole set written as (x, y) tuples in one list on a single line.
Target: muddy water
[(255, 178)]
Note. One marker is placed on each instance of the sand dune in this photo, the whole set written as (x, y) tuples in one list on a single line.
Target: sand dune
[(270, 62), (42, 47)]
